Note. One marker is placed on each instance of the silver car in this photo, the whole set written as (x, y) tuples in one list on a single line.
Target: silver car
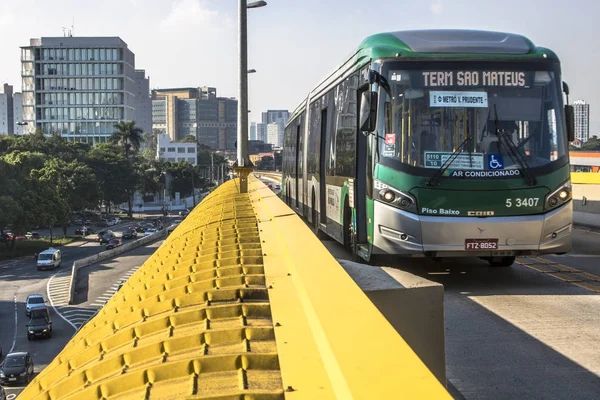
[(34, 301)]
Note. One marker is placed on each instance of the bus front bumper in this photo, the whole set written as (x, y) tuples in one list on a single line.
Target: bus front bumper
[(402, 233)]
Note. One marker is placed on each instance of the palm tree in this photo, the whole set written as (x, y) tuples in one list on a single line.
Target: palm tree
[(128, 135)]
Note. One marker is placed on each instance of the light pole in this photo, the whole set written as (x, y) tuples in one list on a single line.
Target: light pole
[(244, 166)]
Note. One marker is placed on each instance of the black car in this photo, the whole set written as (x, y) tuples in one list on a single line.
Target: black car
[(40, 324), (130, 234), (16, 367)]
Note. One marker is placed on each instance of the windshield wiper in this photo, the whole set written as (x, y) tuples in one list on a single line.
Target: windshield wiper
[(435, 178), (513, 152)]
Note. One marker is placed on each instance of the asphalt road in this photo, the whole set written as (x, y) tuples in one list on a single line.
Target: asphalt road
[(95, 283), (524, 332), (20, 278)]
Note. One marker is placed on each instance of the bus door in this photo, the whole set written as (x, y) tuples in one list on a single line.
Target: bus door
[(322, 168), (360, 183)]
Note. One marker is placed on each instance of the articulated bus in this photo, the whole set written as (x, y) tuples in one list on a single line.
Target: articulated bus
[(436, 143)]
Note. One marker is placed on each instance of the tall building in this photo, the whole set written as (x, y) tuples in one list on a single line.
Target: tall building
[(7, 120), (271, 116), (19, 128), (261, 132), (80, 87), (279, 117), (180, 112), (273, 134), (253, 131), (143, 111), (582, 120)]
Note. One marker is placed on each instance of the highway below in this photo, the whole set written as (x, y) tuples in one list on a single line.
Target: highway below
[(530, 331), (18, 279)]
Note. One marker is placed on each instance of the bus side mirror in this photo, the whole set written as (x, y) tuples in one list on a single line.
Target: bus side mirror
[(570, 119), (368, 111)]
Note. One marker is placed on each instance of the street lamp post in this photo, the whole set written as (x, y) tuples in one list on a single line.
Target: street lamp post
[(244, 166)]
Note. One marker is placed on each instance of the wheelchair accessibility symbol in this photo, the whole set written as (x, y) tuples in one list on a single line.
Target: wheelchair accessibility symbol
[(495, 161)]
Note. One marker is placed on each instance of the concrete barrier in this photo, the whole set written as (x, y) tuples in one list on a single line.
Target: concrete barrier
[(105, 255), (413, 305), (586, 197)]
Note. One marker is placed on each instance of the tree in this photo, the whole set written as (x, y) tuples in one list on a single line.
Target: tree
[(190, 139), (128, 135), (181, 178), (591, 144), (75, 182), (115, 174)]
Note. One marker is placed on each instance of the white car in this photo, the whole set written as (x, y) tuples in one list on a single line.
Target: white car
[(150, 231)]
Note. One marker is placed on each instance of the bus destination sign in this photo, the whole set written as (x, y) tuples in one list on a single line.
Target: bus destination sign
[(517, 79)]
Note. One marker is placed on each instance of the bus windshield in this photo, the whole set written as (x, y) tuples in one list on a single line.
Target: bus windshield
[(497, 110)]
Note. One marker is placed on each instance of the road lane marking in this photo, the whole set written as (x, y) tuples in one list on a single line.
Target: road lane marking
[(563, 272), (16, 326), (52, 302)]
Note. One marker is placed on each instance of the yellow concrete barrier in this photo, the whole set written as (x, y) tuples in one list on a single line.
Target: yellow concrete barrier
[(590, 178), (240, 302)]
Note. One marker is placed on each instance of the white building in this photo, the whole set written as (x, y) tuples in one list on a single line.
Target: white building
[(176, 151), (6, 110), (273, 134), (582, 120)]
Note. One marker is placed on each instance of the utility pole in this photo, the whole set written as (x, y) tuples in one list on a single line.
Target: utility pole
[(212, 168), (193, 187)]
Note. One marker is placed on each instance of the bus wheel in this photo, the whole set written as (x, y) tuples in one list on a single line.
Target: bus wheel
[(502, 261), (349, 238)]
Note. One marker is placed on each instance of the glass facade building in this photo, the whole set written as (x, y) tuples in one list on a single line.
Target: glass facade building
[(80, 87), (181, 112)]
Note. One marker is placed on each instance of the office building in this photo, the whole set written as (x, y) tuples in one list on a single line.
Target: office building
[(7, 120), (279, 117), (273, 134), (19, 127), (143, 111), (582, 120), (80, 87), (180, 112), (176, 151), (252, 135), (261, 132)]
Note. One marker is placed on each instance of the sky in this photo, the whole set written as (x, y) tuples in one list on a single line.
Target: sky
[(294, 44)]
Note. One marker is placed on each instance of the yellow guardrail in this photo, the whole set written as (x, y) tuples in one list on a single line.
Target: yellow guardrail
[(241, 301), (590, 178)]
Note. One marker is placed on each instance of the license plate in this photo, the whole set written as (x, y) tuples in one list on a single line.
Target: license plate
[(481, 244), (12, 379)]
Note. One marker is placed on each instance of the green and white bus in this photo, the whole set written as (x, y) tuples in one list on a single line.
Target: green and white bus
[(436, 143)]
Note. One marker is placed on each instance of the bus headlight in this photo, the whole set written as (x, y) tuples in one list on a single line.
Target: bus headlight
[(559, 196), (394, 197)]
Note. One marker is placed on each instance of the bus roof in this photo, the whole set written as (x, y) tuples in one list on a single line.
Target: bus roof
[(434, 44), (450, 42)]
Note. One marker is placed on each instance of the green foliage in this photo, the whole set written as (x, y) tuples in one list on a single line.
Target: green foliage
[(181, 175), (45, 178), (128, 135), (591, 144)]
